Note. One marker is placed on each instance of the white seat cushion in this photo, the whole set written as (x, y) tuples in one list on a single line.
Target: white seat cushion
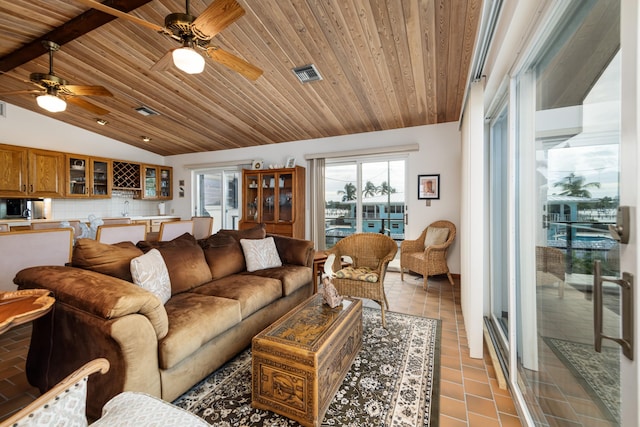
[(140, 409)]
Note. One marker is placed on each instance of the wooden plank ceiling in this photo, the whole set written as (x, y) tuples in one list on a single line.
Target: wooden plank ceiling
[(385, 64)]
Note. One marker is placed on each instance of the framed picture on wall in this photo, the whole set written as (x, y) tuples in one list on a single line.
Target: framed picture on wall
[(428, 187)]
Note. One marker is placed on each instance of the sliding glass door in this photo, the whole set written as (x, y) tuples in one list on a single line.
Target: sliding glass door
[(555, 189), (217, 195), (364, 196)]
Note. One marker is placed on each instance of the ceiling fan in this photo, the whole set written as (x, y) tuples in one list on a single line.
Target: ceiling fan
[(195, 34), (54, 92)]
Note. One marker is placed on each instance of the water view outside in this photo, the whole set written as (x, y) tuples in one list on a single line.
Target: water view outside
[(375, 203)]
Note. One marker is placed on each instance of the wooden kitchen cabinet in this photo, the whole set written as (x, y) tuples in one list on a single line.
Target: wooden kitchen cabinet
[(156, 182), (275, 197), (88, 177), (31, 172)]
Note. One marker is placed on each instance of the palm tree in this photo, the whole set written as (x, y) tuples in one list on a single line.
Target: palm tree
[(385, 189), (573, 185), (349, 192), (370, 189)]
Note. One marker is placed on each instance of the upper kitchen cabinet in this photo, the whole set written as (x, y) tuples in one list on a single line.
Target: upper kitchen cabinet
[(156, 182), (31, 172), (88, 176)]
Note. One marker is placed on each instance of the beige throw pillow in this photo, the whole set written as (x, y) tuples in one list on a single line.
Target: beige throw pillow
[(150, 272), (260, 253), (435, 236)]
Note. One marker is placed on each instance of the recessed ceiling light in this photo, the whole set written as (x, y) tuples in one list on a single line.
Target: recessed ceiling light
[(146, 139), (101, 122)]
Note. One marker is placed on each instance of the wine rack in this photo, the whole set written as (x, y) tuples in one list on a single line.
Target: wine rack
[(126, 176)]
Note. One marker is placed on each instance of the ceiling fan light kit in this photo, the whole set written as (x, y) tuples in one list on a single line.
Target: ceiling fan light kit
[(188, 60), (194, 33), (51, 103)]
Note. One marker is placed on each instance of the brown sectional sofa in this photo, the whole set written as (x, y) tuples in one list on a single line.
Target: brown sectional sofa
[(215, 308)]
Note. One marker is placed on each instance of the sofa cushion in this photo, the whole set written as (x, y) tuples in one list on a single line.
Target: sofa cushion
[(194, 319), (257, 232), (292, 277), (150, 272), (260, 253), (185, 262), (112, 260), (223, 254), (252, 292)]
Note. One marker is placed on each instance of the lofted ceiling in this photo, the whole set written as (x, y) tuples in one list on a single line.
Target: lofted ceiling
[(385, 64)]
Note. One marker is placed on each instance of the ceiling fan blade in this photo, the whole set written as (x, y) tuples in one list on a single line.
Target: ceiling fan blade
[(86, 90), (21, 92), (233, 62), (120, 14), (164, 62), (86, 105), (216, 17)]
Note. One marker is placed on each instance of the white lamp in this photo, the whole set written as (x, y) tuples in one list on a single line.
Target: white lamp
[(51, 103), (188, 60)]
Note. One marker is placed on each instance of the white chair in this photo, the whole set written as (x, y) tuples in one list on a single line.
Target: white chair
[(29, 248), (110, 221), (75, 224), (202, 226), (65, 404), (171, 229), (116, 233)]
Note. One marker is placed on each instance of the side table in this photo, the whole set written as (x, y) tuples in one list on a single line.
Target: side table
[(23, 306)]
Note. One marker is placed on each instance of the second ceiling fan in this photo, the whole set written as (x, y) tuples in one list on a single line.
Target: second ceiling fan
[(195, 34)]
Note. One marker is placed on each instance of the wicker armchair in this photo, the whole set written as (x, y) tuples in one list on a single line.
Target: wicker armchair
[(427, 261), (370, 254)]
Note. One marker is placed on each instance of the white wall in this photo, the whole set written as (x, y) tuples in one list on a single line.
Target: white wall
[(439, 152), (28, 129)]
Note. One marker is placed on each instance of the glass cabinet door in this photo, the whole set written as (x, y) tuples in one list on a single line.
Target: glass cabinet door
[(77, 172), (150, 182), (251, 191), (285, 197), (165, 183), (268, 197), (100, 177)]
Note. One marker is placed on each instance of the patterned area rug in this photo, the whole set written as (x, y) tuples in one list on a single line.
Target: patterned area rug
[(598, 373), (394, 381)]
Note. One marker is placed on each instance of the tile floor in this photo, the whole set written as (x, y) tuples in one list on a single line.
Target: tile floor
[(469, 392)]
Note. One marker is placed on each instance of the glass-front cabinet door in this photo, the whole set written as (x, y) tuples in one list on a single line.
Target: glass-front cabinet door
[(77, 176), (251, 191), (268, 197), (150, 182), (285, 197), (165, 183), (101, 171)]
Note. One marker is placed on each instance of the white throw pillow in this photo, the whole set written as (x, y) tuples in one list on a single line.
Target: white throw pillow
[(150, 272), (435, 236), (260, 253)]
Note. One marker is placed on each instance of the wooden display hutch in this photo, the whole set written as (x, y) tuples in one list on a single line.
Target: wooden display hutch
[(275, 197)]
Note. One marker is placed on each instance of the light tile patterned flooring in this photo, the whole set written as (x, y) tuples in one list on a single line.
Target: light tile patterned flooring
[(469, 392)]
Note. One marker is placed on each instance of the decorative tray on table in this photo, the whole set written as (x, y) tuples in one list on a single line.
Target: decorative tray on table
[(23, 306)]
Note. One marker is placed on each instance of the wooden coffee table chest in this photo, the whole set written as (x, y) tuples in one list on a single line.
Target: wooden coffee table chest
[(300, 361)]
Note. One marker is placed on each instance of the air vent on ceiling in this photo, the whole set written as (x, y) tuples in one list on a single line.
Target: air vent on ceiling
[(307, 73), (146, 111)]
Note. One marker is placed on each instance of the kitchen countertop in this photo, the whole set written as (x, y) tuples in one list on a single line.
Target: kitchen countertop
[(27, 222)]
